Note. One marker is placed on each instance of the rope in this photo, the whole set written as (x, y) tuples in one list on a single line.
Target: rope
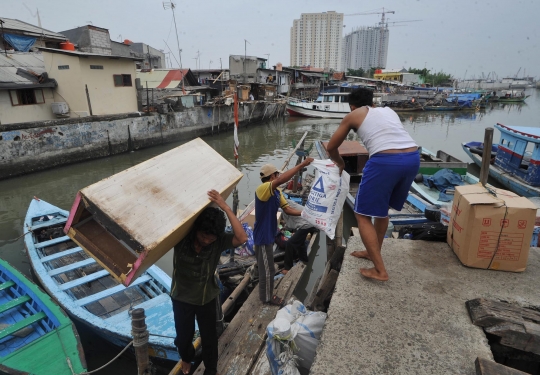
[(167, 337), (140, 339), (108, 363), (22, 235)]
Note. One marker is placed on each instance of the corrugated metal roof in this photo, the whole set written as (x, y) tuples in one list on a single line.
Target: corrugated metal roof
[(30, 30), (13, 61), (79, 53), (161, 78)]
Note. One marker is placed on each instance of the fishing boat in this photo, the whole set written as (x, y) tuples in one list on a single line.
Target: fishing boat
[(89, 293), (327, 105), (355, 157), (513, 165), (509, 96), (36, 336)]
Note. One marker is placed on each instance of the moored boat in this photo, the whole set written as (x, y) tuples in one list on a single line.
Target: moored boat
[(89, 293), (36, 336), (513, 166), (327, 105)]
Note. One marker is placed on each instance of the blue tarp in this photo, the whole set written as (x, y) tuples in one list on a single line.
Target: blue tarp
[(442, 180), (19, 42)]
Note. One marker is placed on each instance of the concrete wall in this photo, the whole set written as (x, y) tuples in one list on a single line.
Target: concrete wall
[(24, 113), (105, 98), (32, 147)]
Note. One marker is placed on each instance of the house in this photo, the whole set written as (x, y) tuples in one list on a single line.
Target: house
[(21, 36), (92, 83), (26, 91), (95, 39), (400, 75), (306, 84), (244, 68)]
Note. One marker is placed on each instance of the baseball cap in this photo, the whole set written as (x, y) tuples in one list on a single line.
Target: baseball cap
[(267, 170)]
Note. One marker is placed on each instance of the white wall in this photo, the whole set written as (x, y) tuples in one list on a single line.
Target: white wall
[(10, 114)]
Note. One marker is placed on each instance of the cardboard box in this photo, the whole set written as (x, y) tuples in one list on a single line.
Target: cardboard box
[(491, 229), (131, 219)]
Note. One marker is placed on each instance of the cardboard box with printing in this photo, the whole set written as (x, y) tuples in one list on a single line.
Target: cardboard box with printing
[(491, 229)]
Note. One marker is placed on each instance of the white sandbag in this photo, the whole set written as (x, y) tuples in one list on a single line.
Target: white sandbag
[(279, 349), (327, 196), (293, 337)]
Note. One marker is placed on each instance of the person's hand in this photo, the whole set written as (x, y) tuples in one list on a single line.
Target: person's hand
[(341, 167), (307, 161), (215, 197)]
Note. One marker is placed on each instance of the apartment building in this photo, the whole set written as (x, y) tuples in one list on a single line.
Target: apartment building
[(366, 47), (316, 40)]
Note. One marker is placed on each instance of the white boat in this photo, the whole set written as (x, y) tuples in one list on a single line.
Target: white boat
[(327, 105)]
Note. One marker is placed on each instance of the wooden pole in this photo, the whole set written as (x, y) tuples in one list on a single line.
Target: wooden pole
[(88, 99), (140, 341), (298, 161), (229, 303), (486, 156)]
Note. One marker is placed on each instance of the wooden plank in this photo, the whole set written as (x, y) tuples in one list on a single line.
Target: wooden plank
[(324, 291), (83, 280), (49, 223), (109, 292), (516, 326), (162, 299), (8, 331), (14, 303), (308, 302), (487, 367), (61, 254), (54, 241), (70, 267)]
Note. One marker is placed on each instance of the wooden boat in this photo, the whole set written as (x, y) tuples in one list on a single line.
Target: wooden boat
[(431, 163), (355, 157), (89, 293), (36, 336), (327, 105), (513, 166)]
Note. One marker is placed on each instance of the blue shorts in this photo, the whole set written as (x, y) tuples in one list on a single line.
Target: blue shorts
[(386, 181)]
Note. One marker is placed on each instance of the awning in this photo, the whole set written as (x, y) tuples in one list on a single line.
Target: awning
[(161, 79), (313, 74)]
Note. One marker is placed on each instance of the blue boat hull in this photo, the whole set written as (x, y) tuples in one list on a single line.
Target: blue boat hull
[(505, 179)]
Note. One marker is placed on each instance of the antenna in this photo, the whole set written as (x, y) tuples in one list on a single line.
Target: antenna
[(171, 5), (34, 14)]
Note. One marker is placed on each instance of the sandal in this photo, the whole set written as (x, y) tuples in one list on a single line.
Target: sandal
[(276, 301)]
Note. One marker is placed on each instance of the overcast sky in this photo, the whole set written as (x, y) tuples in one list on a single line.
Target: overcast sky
[(458, 36)]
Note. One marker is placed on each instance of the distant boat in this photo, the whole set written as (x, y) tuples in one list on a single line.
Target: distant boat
[(89, 293), (36, 336), (327, 105), (513, 166), (509, 96)]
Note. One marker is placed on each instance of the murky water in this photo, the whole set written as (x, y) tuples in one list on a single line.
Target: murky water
[(261, 144)]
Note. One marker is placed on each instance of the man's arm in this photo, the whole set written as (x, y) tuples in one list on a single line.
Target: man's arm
[(240, 235), (286, 176), (291, 211), (350, 122)]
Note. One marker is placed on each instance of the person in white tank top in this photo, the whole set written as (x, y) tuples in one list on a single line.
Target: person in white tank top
[(394, 162)]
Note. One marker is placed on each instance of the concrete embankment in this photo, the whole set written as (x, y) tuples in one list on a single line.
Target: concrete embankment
[(417, 322), (32, 147)]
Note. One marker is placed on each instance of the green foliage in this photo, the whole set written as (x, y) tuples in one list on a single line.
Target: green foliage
[(435, 79), (356, 72)]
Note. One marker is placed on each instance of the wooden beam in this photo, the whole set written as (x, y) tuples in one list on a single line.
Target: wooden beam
[(229, 302), (325, 289), (486, 156), (487, 367)]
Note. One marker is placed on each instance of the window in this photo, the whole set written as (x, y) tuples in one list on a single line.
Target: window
[(63, 67), (121, 80), (26, 97), (99, 67), (329, 98)]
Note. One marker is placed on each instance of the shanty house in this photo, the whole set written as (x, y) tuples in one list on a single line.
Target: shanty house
[(92, 83), (21, 36), (26, 91)]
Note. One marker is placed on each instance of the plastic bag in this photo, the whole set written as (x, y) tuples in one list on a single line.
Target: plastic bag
[(327, 196), (247, 248), (293, 337)]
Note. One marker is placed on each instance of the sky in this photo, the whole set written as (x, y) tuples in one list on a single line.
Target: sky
[(462, 37)]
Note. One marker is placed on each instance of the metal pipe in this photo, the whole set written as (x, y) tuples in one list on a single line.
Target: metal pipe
[(140, 341)]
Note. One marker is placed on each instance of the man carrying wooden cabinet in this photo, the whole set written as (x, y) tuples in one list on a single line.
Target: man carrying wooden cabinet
[(194, 288), (268, 200)]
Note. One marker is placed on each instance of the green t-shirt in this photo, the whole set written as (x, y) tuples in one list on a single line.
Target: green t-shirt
[(193, 278)]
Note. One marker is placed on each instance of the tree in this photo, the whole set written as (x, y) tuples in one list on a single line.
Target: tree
[(356, 72), (435, 79)]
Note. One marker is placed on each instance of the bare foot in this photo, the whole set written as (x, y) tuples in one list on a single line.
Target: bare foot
[(186, 367), (372, 273), (361, 254), (284, 272)]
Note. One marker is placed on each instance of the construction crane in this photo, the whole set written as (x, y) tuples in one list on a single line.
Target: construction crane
[(382, 29)]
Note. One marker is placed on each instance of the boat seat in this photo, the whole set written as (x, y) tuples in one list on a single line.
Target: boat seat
[(21, 324), (83, 280), (6, 285), (109, 292), (60, 254), (14, 303), (52, 242), (71, 267)]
